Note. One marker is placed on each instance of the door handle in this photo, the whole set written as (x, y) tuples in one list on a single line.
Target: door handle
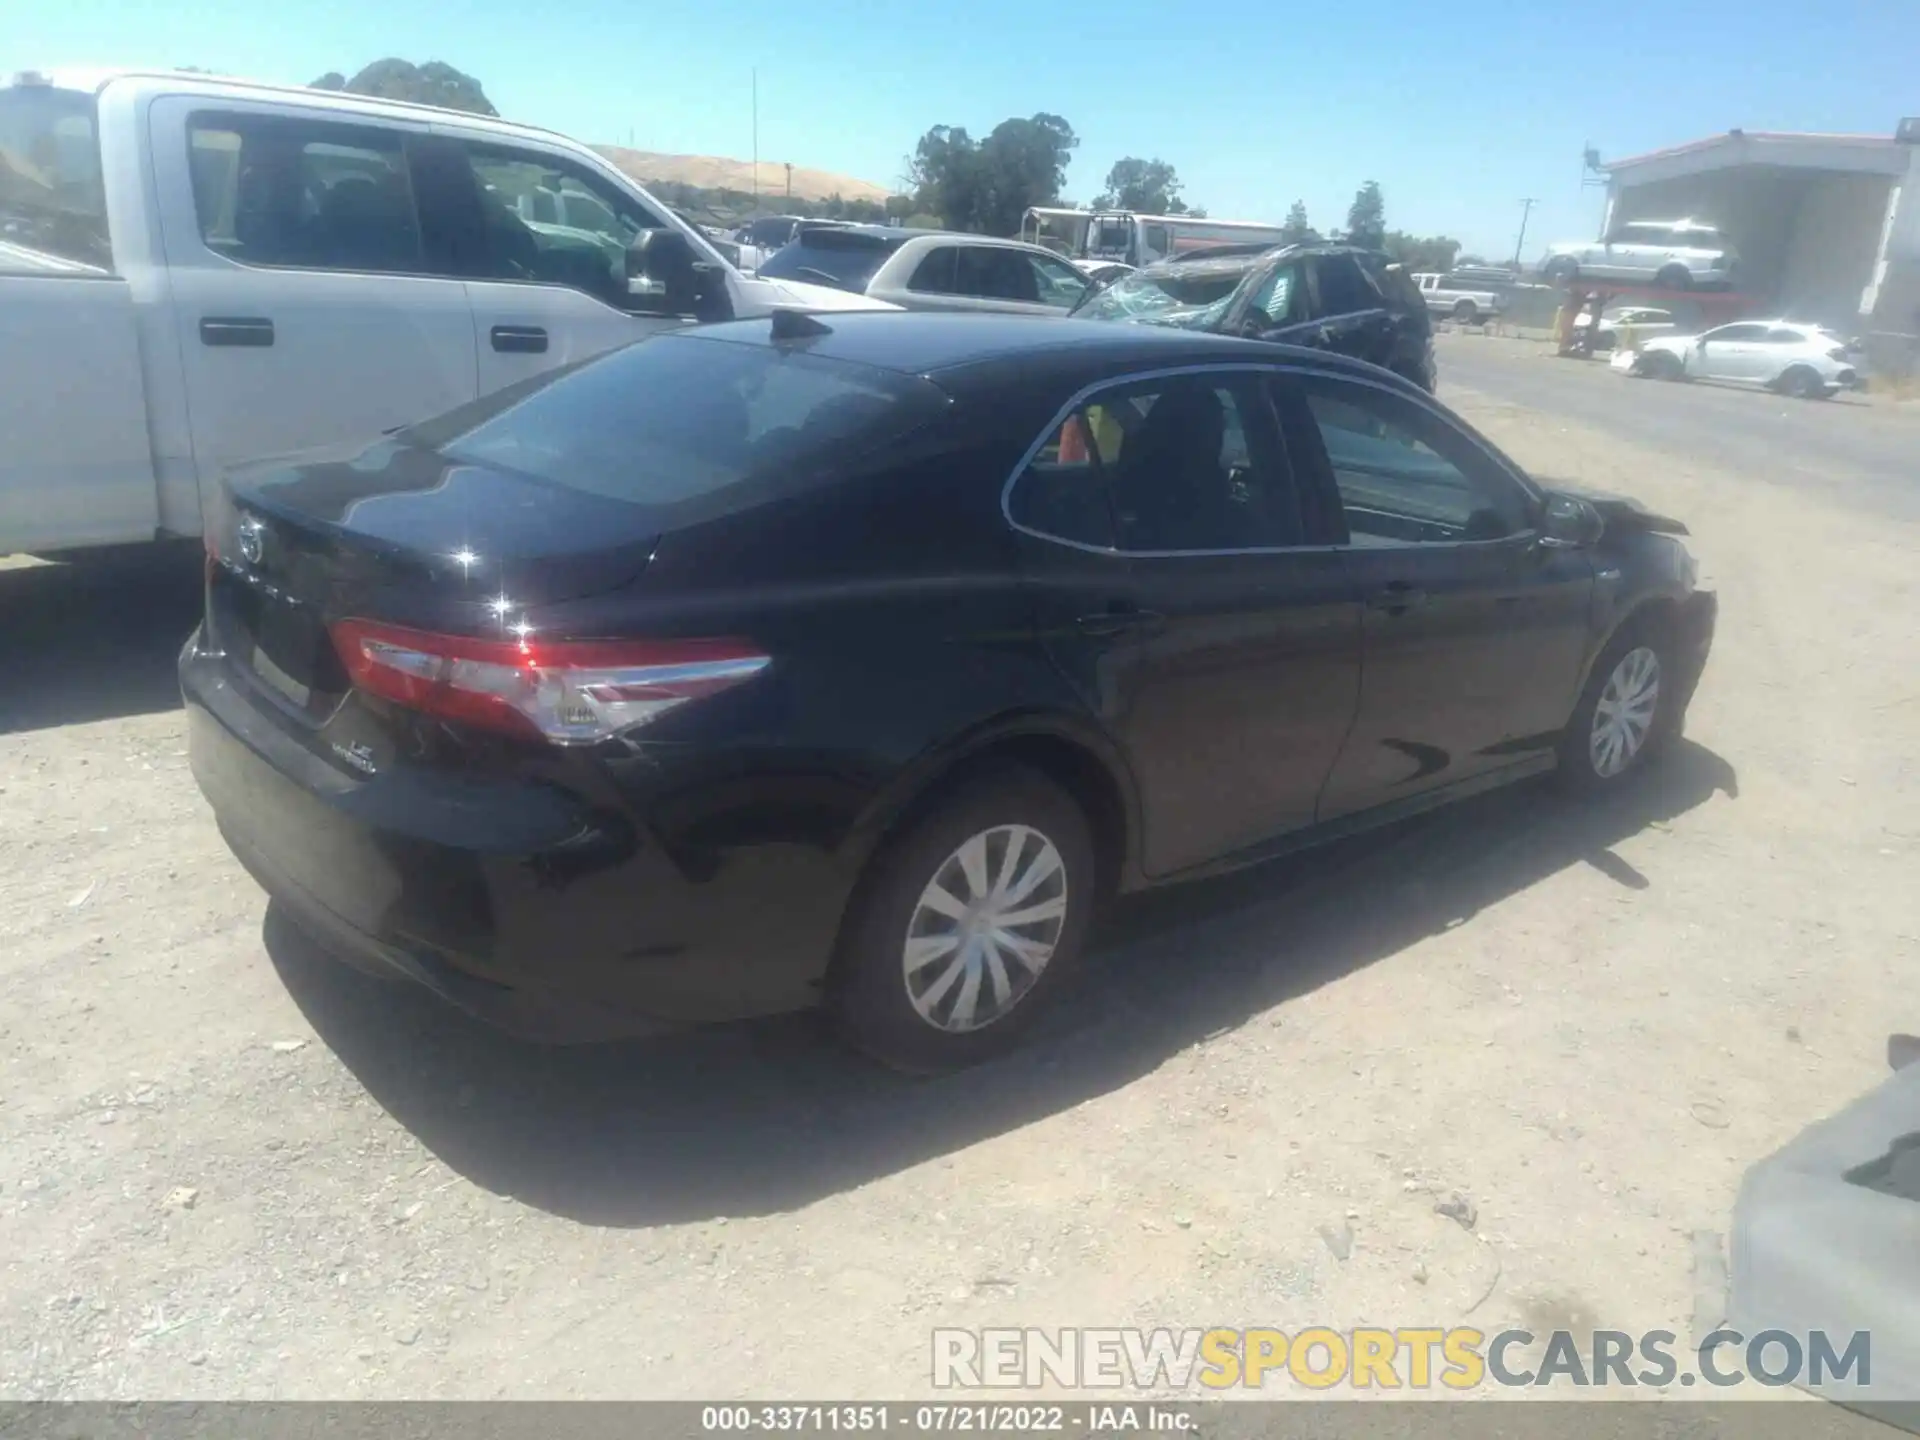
[(1397, 598), (520, 339), (246, 331), (1117, 619)]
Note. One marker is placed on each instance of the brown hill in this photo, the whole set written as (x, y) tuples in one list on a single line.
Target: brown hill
[(710, 172)]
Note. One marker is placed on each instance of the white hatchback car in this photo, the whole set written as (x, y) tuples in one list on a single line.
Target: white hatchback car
[(1641, 321), (1782, 355), (1669, 254)]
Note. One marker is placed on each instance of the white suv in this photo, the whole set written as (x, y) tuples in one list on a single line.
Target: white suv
[(1670, 254)]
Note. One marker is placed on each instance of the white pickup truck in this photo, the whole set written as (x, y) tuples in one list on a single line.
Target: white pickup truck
[(1445, 296), (196, 272)]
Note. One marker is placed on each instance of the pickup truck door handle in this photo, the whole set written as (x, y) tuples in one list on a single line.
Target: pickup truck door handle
[(1397, 598), (520, 339), (249, 331), (1118, 618)]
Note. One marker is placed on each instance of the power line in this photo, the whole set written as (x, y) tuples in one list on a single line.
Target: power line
[(1520, 244)]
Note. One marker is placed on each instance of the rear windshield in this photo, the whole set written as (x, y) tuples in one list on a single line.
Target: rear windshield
[(52, 201), (681, 420), (1170, 298), (844, 259)]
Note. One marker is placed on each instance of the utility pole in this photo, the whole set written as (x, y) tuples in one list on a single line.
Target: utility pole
[(1521, 243), (756, 132), (789, 180)]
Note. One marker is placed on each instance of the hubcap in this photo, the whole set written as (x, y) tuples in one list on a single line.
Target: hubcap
[(1623, 718), (985, 928)]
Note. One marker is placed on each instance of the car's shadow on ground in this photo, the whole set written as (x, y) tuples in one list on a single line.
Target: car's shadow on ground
[(96, 637), (762, 1118)]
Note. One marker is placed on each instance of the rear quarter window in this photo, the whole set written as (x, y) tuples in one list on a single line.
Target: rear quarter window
[(689, 424)]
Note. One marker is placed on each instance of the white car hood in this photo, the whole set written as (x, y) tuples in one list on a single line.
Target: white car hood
[(812, 297)]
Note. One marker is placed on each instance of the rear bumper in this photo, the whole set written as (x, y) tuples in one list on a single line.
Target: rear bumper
[(518, 901)]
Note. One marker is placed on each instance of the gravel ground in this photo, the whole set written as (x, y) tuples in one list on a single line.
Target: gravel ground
[(229, 1168)]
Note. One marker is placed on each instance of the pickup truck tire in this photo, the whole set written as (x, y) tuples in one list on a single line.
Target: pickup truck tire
[(1466, 312), (1674, 277)]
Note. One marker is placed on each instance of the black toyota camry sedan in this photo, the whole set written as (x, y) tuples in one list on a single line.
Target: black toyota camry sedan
[(856, 660)]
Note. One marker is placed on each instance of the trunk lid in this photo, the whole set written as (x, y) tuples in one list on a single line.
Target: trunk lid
[(403, 533)]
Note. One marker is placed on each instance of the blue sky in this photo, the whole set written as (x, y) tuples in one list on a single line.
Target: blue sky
[(1457, 108)]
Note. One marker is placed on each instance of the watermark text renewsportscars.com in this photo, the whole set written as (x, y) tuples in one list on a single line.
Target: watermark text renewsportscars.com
[(1409, 1358)]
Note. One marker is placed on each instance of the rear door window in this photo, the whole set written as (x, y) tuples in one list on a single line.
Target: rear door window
[(53, 201), (935, 273), (988, 272), (1343, 289), (1187, 463), (680, 421), (276, 191)]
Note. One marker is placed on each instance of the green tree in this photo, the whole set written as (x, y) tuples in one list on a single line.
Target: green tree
[(434, 83), (1151, 187), (1421, 254), (985, 186), (1295, 230), (1367, 217)]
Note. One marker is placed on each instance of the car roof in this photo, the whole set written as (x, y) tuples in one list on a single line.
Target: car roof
[(932, 344), (1225, 264), (895, 234)]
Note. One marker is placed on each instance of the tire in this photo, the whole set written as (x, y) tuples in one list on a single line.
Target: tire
[(1599, 754), (1674, 277), (1560, 270), (1662, 366), (1466, 312), (1802, 384), (935, 1010)]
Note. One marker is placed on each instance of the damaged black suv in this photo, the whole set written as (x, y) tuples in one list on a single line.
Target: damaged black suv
[(1333, 297)]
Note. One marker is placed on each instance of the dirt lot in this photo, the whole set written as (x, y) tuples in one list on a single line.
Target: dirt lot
[(230, 1169)]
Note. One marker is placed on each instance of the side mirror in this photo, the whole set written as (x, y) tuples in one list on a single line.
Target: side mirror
[(666, 277), (1570, 523)]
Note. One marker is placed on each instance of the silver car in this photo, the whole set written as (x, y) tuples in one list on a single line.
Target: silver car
[(932, 269), (1666, 254)]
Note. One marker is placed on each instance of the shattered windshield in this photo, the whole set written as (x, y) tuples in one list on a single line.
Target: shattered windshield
[(1194, 300)]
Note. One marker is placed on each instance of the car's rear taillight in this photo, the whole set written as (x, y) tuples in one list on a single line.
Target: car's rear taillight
[(571, 692)]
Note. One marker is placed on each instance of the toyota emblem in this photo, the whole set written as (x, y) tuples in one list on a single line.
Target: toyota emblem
[(252, 540)]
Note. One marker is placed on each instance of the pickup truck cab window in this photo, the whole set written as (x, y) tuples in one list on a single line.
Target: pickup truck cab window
[(283, 191), (52, 199), (547, 221)]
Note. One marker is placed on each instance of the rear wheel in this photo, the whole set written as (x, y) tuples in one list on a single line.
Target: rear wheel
[(967, 924), (1466, 312), (1674, 277), (1561, 269), (1802, 383), (1662, 366), (1625, 714)]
